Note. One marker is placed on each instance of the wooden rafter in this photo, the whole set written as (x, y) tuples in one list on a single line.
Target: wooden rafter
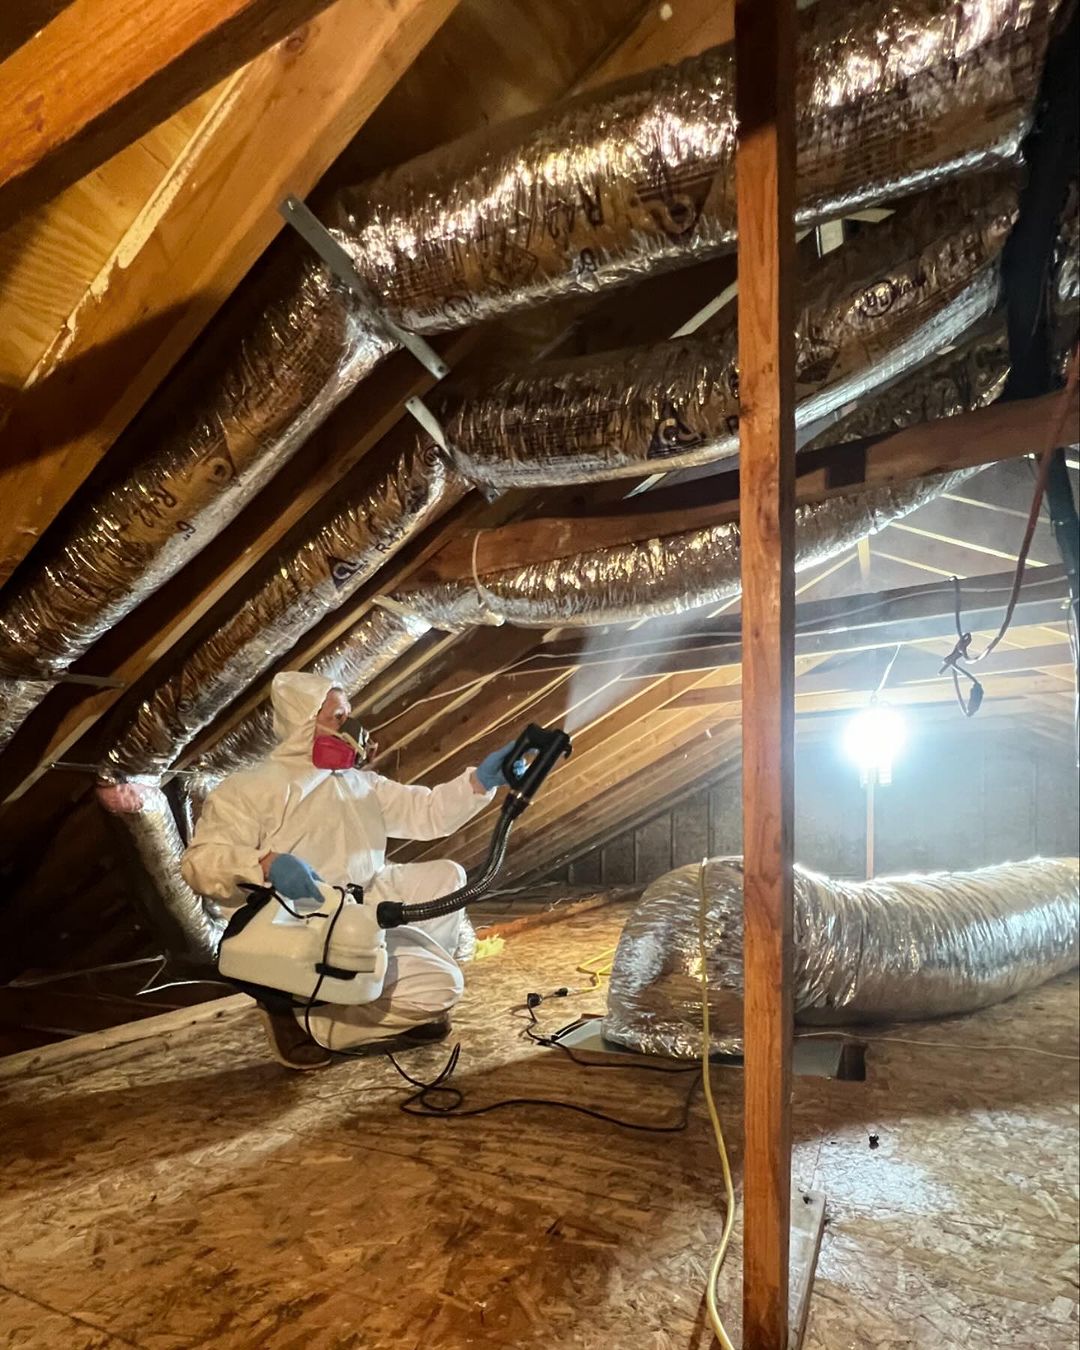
[(103, 72), (211, 217)]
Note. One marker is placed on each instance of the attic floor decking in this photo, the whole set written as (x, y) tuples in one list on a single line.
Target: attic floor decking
[(188, 1193)]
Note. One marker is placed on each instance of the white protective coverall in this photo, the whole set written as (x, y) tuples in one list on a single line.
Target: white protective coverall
[(338, 821)]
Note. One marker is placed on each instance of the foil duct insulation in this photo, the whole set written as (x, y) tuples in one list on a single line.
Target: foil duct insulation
[(151, 841), (670, 575), (252, 395), (598, 191), (971, 376), (619, 183), (373, 644), (867, 313), (892, 949), (864, 322), (307, 583)]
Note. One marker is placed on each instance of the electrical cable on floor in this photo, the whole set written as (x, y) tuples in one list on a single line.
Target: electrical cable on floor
[(719, 1255), (555, 1043), (422, 1102)]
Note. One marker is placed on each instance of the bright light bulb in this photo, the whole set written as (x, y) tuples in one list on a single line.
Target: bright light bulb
[(872, 739)]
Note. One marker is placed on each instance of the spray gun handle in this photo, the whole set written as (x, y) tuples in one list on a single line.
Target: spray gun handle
[(539, 749)]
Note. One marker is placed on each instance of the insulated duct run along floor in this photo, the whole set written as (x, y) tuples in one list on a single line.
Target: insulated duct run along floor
[(183, 1194)]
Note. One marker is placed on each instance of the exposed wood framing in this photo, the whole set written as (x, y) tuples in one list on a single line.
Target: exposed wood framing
[(370, 413), (1002, 431), (765, 189), (103, 72), (210, 218)]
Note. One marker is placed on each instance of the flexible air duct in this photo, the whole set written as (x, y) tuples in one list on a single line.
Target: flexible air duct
[(306, 584), (970, 377), (892, 949), (153, 846), (612, 585), (659, 576), (252, 394), (868, 313), (598, 191)]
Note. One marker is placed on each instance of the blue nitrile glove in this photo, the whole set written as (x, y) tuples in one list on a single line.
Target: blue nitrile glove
[(292, 878), (490, 770)]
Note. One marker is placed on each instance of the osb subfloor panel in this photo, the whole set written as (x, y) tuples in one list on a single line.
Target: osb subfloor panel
[(188, 1193)]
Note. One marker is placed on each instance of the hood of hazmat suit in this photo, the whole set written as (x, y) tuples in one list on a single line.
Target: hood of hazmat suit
[(337, 820)]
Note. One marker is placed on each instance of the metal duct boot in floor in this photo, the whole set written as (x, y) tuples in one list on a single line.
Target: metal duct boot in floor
[(892, 949)]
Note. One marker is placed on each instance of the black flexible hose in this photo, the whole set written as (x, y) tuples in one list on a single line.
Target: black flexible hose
[(393, 913)]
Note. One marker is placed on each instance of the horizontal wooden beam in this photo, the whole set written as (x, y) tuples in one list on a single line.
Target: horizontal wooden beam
[(1003, 431), (103, 72)]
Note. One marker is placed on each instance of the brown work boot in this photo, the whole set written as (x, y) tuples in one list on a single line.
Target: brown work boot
[(292, 1046)]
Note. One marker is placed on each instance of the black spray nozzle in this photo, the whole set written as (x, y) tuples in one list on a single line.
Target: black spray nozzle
[(536, 752)]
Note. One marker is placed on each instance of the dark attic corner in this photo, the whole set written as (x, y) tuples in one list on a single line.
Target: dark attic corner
[(539, 609)]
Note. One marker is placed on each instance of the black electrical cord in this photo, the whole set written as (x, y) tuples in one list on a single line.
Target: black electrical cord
[(554, 1043), (424, 1101), (322, 974), (438, 1099)]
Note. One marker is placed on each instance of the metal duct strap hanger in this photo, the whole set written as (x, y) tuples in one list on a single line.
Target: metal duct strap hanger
[(315, 234)]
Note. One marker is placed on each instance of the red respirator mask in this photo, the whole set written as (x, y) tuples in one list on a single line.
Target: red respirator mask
[(339, 750)]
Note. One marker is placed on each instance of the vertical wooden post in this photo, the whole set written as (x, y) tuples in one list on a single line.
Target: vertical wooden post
[(765, 169)]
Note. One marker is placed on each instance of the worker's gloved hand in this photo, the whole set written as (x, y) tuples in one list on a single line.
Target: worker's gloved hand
[(292, 878), (490, 770)]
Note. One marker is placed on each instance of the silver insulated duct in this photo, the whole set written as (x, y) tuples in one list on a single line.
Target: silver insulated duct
[(152, 843), (659, 576), (306, 584), (372, 645), (868, 313), (971, 376), (597, 191), (892, 949), (610, 586)]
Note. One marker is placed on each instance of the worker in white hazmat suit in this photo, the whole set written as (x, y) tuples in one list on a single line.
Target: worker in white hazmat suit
[(287, 817)]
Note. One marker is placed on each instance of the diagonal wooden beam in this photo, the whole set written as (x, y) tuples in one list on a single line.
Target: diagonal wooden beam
[(273, 127), (103, 72)]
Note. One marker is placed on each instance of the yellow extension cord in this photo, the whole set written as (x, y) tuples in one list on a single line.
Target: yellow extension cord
[(729, 1190), (598, 968)]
